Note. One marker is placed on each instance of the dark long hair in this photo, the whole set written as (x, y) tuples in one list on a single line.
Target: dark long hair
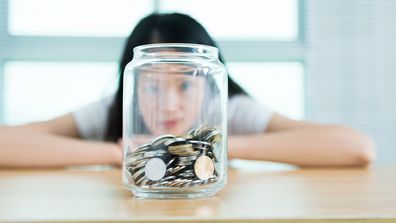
[(159, 28)]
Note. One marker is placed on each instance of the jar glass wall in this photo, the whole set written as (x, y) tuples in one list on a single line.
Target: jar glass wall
[(174, 121)]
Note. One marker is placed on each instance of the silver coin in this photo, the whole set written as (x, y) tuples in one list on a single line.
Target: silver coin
[(200, 128), (212, 179), (186, 160), (138, 154), (129, 160), (183, 182), (186, 175), (143, 147), (152, 154), (213, 156), (186, 163), (160, 184), (203, 132), (174, 141), (155, 169), (175, 169), (170, 162), (139, 164), (197, 182), (161, 140), (177, 182), (140, 181), (137, 175), (168, 178), (200, 144), (145, 181), (213, 136), (188, 171), (191, 132)]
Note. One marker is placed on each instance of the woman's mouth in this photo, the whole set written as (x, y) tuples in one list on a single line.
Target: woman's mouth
[(169, 124)]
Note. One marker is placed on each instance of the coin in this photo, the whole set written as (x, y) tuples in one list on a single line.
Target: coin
[(155, 169), (137, 175), (180, 147), (152, 154), (170, 162), (176, 161), (186, 137), (161, 140), (138, 164), (175, 169), (191, 132), (142, 148), (213, 156), (168, 178), (140, 181), (203, 132), (204, 167), (187, 159), (213, 136), (182, 150), (200, 144), (175, 141)]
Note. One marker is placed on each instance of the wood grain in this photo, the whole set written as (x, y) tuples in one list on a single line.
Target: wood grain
[(300, 195)]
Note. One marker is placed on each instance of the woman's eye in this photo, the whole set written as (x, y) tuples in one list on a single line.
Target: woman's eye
[(151, 89), (185, 86)]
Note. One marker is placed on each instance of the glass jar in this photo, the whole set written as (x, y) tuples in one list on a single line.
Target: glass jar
[(174, 121)]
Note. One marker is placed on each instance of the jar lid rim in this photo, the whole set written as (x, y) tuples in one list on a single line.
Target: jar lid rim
[(210, 49)]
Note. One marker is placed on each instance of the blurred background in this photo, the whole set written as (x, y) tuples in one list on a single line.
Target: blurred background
[(329, 61)]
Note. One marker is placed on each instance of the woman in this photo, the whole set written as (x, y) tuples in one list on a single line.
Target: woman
[(254, 131)]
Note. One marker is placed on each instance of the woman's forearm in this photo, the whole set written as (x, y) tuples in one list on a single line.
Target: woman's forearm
[(318, 146), (36, 149)]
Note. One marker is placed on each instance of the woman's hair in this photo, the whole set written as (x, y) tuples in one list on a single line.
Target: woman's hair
[(159, 28)]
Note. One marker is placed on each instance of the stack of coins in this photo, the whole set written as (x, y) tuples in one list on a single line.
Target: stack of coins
[(176, 161)]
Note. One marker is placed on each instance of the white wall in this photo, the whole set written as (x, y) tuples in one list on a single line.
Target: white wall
[(351, 67)]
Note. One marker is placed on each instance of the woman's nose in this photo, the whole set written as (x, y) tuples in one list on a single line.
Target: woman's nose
[(171, 100)]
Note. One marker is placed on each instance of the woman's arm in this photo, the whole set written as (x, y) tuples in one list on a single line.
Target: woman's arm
[(305, 144), (52, 143)]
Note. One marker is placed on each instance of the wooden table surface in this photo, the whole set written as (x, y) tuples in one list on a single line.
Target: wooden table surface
[(265, 195)]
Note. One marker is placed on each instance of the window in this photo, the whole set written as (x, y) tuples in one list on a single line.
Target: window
[(248, 19), (41, 90), (47, 45), (75, 17), (279, 86)]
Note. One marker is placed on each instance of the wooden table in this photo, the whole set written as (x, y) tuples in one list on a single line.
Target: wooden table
[(265, 195)]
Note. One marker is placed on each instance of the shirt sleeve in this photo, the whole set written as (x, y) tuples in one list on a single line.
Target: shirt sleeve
[(246, 116), (91, 120)]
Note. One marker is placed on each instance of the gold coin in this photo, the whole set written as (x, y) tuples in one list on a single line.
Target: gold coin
[(204, 167), (181, 150), (180, 147)]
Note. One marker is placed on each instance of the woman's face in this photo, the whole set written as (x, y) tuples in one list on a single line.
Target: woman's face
[(170, 101)]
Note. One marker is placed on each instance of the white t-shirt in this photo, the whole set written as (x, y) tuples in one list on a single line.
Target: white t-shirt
[(244, 115)]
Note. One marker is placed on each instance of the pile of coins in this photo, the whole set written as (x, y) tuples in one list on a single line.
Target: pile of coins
[(176, 161)]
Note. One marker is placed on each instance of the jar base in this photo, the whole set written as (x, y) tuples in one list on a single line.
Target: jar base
[(165, 196), (176, 193)]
